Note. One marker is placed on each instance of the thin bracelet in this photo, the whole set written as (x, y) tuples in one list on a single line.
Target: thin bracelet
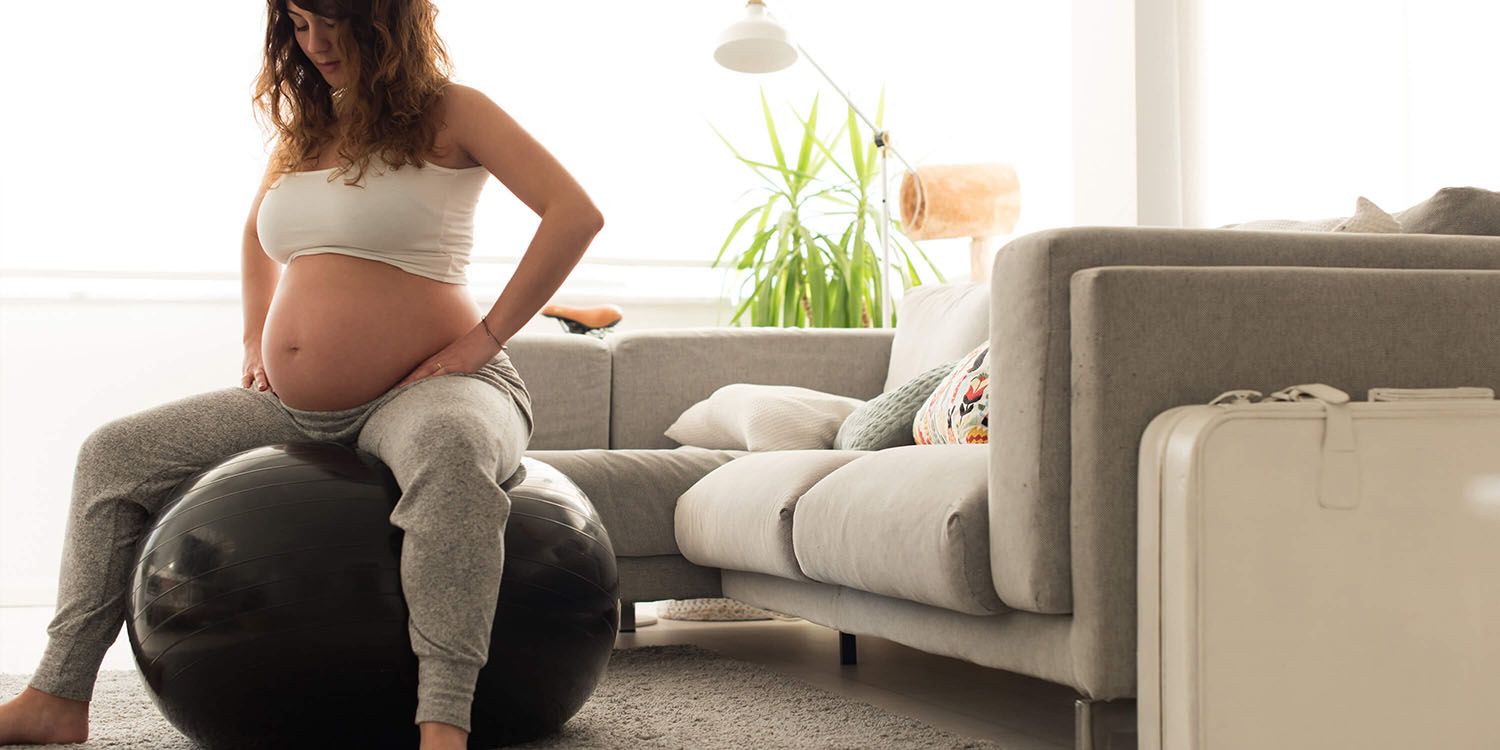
[(487, 330)]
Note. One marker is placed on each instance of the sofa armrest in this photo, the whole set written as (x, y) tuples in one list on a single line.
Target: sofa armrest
[(659, 373), (568, 378), (1145, 339), (1030, 391)]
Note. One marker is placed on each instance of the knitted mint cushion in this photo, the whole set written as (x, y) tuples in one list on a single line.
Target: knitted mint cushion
[(885, 421)]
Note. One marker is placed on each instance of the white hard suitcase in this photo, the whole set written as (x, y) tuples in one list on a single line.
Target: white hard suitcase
[(1321, 573)]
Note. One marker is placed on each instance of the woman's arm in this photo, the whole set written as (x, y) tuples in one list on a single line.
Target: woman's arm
[(259, 274), (569, 217)]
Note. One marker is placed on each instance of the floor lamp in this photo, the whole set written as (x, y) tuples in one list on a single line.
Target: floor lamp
[(758, 43)]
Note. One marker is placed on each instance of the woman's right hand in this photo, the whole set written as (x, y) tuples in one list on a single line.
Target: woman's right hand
[(254, 371)]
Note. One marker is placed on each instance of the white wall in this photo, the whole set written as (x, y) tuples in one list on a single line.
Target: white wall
[(1302, 107), (1105, 151)]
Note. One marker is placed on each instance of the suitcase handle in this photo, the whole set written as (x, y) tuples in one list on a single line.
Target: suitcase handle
[(1339, 480)]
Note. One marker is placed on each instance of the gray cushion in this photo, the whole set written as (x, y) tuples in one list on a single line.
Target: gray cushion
[(1455, 210), (936, 323), (885, 421), (635, 489), (739, 516), (910, 522), (568, 378)]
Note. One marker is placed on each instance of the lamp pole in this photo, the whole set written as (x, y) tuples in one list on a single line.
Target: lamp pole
[(882, 142)]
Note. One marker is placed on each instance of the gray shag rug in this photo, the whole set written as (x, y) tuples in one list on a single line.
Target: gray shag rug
[(678, 696)]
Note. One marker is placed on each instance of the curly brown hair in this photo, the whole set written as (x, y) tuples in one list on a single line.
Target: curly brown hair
[(396, 69)]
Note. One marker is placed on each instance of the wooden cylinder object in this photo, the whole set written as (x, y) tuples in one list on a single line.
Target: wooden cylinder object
[(982, 256), (960, 200)]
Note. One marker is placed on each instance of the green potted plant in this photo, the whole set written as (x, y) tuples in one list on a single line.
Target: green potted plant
[(800, 276)]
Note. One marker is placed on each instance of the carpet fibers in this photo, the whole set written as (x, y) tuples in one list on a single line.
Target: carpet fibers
[(677, 696)]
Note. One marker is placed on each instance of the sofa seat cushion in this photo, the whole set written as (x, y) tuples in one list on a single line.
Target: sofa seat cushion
[(910, 522), (739, 516), (635, 489)]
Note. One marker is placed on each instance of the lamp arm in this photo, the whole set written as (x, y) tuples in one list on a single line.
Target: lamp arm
[(881, 138)]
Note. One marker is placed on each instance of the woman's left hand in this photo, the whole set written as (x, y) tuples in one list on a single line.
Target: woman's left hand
[(467, 354)]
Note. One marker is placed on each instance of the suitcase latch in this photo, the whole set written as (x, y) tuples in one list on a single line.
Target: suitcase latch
[(1235, 397), (1311, 392)]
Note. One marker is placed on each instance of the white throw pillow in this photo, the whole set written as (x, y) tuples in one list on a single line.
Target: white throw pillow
[(756, 417), (1369, 217)]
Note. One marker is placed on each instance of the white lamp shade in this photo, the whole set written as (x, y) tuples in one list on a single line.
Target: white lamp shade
[(755, 43)]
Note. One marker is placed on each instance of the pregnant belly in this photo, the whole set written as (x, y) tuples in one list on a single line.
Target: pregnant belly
[(343, 330)]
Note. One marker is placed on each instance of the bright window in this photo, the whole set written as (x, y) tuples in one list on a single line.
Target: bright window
[(1302, 107), (133, 146)]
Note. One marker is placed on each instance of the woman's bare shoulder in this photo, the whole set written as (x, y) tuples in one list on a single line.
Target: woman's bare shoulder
[(453, 104)]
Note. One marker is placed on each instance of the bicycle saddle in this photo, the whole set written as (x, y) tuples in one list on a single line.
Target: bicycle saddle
[(592, 320)]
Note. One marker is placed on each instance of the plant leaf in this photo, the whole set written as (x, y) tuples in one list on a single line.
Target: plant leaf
[(815, 277), (789, 291), (859, 158), (809, 134), (771, 129), (756, 248), (828, 153), (732, 233), (784, 171), (749, 162)]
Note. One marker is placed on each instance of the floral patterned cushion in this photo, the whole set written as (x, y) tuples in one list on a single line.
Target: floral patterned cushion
[(958, 411)]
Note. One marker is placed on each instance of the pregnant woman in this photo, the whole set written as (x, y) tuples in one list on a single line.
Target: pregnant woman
[(371, 339)]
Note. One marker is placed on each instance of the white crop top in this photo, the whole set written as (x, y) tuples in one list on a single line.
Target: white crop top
[(418, 220)]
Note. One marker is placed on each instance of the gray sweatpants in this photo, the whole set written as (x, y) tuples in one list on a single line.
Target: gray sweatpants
[(451, 441)]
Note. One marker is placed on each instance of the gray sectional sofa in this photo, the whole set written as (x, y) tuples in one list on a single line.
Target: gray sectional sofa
[(1019, 554)]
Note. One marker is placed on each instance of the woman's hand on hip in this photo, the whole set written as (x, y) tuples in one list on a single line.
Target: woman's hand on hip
[(254, 376), (467, 354)]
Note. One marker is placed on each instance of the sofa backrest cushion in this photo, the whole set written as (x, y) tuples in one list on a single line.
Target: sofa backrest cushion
[(568, 378), (659, 373), (937, 323)]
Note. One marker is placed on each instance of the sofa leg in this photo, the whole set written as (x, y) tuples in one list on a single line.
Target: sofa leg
[(847, 653), (1104, 725), (627, 617)]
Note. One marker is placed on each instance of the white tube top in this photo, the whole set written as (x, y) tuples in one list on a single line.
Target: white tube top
[(418, 220)]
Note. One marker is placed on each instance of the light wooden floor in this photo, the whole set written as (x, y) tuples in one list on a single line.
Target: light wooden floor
[(1014, 711)]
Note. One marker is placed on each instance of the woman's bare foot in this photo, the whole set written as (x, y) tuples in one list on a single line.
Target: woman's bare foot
[(38, 718), (437, 735)]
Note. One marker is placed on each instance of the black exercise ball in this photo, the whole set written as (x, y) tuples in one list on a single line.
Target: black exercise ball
[(266, 611)]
